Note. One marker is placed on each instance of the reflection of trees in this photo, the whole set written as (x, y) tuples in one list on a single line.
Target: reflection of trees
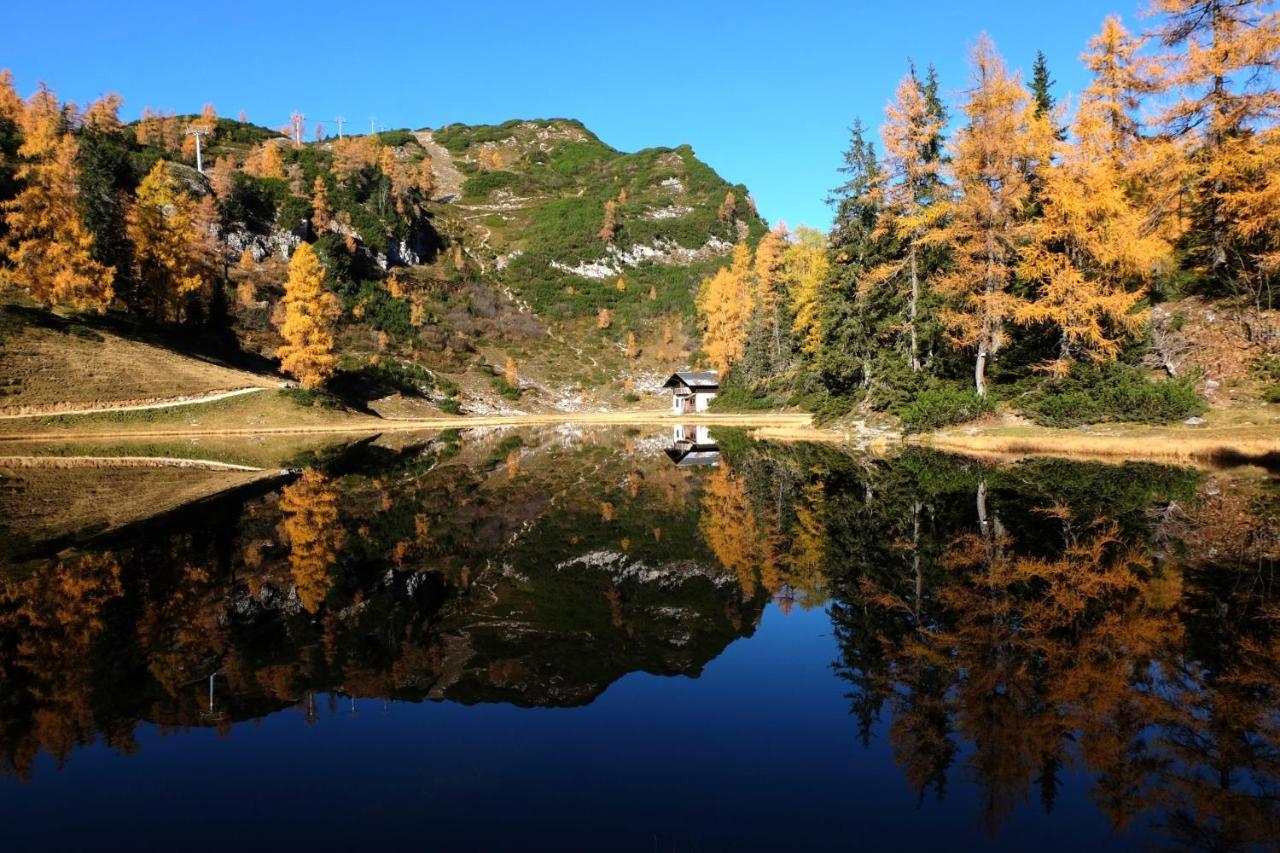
[(310, 509), (1050, 639), (50, 626)]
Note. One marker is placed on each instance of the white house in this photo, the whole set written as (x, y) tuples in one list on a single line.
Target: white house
[(692, 390)]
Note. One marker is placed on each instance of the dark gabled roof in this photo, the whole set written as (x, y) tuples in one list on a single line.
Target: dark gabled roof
[(699, 380)]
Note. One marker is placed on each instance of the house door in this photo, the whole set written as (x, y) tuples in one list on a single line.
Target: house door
[(687, 404)]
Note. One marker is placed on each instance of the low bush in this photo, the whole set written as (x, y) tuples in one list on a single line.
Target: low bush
[(505, 388), (1115, 392), (741, 398), (1268, 369), (942, 405)]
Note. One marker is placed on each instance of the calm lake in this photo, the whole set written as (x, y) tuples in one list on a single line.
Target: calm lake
[(669, 640)]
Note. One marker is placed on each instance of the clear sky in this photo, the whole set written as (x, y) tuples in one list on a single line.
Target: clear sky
[(764, 92)]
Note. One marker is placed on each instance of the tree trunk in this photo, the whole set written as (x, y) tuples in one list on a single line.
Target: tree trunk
[(911, 311), (980, 368)]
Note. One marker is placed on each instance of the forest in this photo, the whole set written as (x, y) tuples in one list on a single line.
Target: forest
[(1012, 249)]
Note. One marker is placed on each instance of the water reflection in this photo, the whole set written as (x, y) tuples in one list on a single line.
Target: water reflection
[(1004, 627)]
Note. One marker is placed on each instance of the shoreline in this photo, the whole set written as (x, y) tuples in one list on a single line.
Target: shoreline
[(1224, 445)]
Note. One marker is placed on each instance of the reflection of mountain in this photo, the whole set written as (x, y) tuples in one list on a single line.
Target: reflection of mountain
[(525, 569)]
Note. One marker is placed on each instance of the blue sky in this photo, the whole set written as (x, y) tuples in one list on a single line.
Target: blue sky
[(764, 92)]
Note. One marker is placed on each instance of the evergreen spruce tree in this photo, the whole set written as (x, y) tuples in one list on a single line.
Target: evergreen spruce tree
[(848, 323)]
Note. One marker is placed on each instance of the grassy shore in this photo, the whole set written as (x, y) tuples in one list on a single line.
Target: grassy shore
[(275, 424)]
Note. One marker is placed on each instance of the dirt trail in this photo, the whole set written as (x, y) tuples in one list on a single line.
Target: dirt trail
[(373, 427), (55, 410), (449, 179), (120, 462)]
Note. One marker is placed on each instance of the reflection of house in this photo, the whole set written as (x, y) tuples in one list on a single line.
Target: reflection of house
[(693, 445), (692, 390)]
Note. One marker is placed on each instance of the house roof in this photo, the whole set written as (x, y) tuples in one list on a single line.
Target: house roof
[(699, 380)]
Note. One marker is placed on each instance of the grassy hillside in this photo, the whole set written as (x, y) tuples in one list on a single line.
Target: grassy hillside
[(456, 255), (50, 363)]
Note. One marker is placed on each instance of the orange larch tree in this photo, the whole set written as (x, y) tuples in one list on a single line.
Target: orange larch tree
[(310, 312), (910, 205), (173, 252), (991, 159), (47, 249)]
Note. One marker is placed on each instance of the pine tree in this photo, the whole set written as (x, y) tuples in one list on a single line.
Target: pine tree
[(172, 248), (992, 157), (1041, 87), (47, 248), (310, 312), (856, 245)]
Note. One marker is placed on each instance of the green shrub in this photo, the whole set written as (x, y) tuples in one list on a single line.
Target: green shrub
[(450, 406), (942, 405), (505, 388), (396, 138), (741, 398), (484, 183), (1115, 392), (1268, 368)]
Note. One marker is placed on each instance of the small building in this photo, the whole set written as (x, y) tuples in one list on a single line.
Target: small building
[(692, 390)]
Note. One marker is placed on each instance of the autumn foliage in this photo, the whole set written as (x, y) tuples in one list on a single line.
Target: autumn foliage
[(310, 312)]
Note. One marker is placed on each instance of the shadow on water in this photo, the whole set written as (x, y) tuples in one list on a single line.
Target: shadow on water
[(1006, 634)]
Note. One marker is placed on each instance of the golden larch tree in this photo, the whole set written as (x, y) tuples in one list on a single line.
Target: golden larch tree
[(991, 157), (321, 213), (1093, 252), (269, 163), (103, 115), (222, 177), (173, 249), (909, 207), (728, 208), (609, 230), (425, 179), (804, 270), (48, 249), (310, 313), (10, 101), (725, 302), (1221, 89)]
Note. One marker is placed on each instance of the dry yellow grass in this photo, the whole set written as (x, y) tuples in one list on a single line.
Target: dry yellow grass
[(1223, 445), (42, 502), (57, 365)]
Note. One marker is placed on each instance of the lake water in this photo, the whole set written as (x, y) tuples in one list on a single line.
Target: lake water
[(622, 640)]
